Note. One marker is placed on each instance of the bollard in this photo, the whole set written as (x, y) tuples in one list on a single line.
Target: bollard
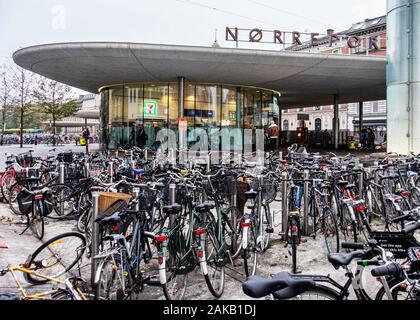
[(171, 156), (208, 163), (146, 155), (172, 201), (284, 206), (111, 172), (95, 235), (281, 155), (136, 193), (306, 203), (361, 178)]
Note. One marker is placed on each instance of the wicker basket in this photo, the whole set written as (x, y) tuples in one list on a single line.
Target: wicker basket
[(106, 199)]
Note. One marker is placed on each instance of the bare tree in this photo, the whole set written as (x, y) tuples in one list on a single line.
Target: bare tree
[(23, 83), (57, 101), (6, 95)]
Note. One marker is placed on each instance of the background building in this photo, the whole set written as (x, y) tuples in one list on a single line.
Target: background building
[(87, 115), (372, 35)]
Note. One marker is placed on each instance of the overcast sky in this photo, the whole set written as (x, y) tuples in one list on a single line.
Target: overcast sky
[(188, 22)]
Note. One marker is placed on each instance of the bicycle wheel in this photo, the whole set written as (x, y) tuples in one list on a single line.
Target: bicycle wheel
[(399, 293), (12, 197), (415, 197), (8, 180), (56, 257), (111, 279), (330, 230), (294, 242), (176, 282), (215, 278), (64, 199), (37, 219), (250, 254), (348, 227), (233, 232), (266, 224)]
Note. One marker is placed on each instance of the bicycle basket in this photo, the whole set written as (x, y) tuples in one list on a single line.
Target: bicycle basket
[(65, 157), (118, 205), (269, 189), (31, 173), (24, 199), (398, 243)]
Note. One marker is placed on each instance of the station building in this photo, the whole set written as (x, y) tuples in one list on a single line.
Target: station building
[(212, 87)]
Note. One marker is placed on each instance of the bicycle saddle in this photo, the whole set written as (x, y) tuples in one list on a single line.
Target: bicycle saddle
[(173, 209), (392, 177), (9, 162), (204, 207), (344, 259), (116, 217), (282, 286), (251, 195)]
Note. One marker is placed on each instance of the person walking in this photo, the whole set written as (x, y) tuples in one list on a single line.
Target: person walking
[(141, 137), (372, 138), (273, 135), (86, 136)]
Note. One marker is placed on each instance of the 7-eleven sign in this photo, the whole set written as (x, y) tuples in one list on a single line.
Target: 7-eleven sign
[(150, 108)]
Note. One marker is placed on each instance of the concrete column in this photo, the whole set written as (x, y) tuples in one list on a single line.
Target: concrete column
[(360, 119), (336, 122), (403, 76), (181, 86), (238, 108)]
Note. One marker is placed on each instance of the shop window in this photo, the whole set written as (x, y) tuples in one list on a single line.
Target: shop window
[(318, 124)]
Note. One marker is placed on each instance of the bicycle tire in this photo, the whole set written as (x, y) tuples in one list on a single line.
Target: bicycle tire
[(65, 201), (13, 205), (215, 285), (7, 181), (115, 263), (331, 229), (250, 255), (53, 243), (37, 219)]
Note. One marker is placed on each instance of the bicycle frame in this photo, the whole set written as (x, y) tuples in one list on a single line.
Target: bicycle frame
[(77, 294)]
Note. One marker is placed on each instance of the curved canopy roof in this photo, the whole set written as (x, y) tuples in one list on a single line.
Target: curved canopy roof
[(303, 79)]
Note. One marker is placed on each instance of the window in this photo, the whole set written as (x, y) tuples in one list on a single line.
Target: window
[(286, 125), (318, 124), (375, 106)]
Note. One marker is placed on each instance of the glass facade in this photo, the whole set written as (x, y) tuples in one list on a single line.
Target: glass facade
[(125, 109)]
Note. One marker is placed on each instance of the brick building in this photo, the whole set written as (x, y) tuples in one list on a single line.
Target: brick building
[(371, 35)]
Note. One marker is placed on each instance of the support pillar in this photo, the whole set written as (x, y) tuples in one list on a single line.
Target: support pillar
[(181, 88), (403, 76), (336, 123), (360, 120)]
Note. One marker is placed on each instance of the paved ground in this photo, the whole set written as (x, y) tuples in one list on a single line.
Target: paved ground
[(312, 255)]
